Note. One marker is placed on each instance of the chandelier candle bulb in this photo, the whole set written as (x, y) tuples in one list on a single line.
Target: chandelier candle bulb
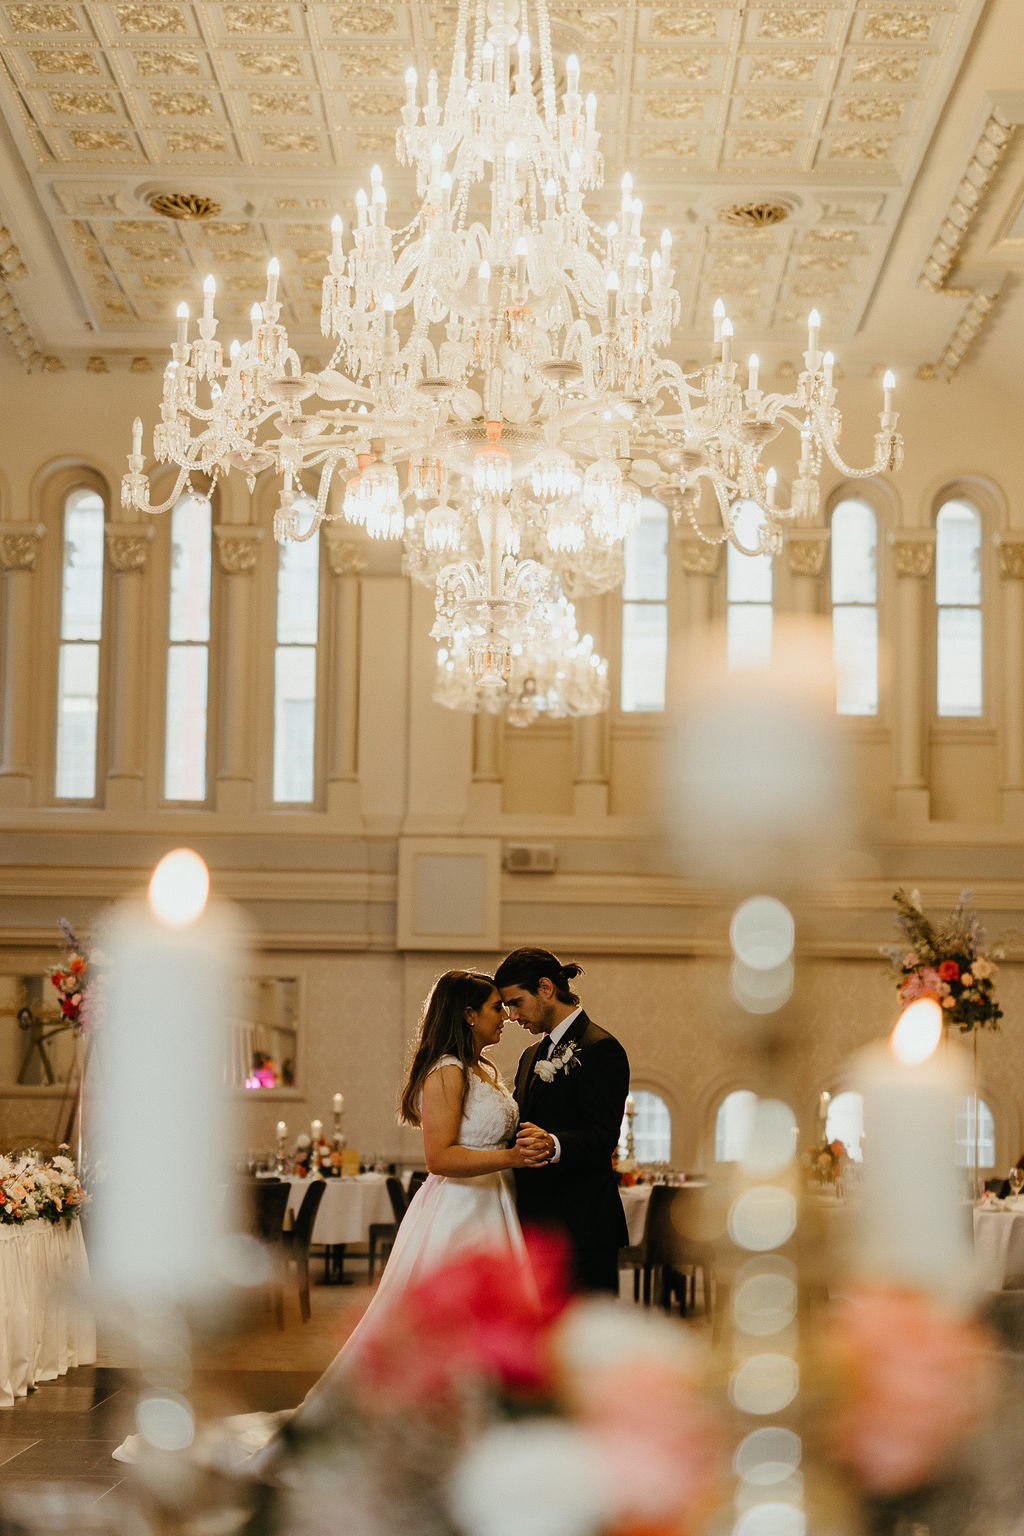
[(273, 273), (337, 230), (209, 291), (572, 74), (828, 363), (410, 86), (718, 315), (316, 1131), (173, 966), (137, 437), (487, 56), (813, 330), (888, 385), (446, 194), (338, 1103), (182, 314), (753, 366), (913, 1230), (771, 480), (550, 194), (727, 334)]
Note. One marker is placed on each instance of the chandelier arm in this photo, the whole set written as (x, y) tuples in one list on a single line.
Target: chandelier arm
[(165, 506), (883, 450)]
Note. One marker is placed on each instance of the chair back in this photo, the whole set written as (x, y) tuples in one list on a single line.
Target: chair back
[(682, 1223), (418, 1177), (269, 1201), (302, 1229), (397, 1196)]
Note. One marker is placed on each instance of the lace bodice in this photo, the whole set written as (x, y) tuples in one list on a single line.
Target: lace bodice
[(491, 1114)]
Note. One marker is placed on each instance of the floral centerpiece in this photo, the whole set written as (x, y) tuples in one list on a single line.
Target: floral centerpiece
[(70, 980), (827, 1161), (33, 1190), (947, 961)]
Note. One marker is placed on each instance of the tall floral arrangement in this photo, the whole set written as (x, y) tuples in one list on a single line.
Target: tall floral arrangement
[(71, 980), (947, 961)]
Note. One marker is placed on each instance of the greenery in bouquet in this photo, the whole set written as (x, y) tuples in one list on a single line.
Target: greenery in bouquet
[(33, 1190), (71, 980), (947, 961)]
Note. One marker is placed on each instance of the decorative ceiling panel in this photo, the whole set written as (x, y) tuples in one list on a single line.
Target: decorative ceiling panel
[(275, 110)]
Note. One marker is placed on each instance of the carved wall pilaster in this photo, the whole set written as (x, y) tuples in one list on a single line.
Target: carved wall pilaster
[(1011, 557), (128, 547), (237, 547), (914, 552), (19, 545)]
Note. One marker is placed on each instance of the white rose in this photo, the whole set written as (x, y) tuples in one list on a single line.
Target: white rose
[(541, 1476), (545, 1070), (64, 1165)]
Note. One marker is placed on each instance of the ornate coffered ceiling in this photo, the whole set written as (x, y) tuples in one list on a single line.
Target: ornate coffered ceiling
[(275, 110)]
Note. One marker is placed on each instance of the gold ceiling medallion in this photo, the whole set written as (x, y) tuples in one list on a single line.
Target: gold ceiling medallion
[(184, 205), (753, 215)]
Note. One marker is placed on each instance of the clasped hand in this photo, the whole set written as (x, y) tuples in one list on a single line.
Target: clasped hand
[(533, 1146)]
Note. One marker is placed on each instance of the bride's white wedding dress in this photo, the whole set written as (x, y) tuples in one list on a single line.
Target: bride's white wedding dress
[(446, 1216)]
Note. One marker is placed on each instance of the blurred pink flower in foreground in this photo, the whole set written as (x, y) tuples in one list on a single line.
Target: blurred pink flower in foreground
[(916, 1378), (485, 1315)]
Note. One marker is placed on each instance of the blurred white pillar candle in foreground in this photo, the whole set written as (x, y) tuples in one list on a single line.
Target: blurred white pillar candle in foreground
[(164, 1122), (914, 1228)]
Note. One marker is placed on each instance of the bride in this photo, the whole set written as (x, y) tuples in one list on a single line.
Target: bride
[(469, 1121)]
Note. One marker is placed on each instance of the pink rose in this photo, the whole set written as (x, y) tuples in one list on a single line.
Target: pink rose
[(915, 1379)]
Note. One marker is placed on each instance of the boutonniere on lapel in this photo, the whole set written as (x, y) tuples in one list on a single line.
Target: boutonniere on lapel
[(562, 1059)]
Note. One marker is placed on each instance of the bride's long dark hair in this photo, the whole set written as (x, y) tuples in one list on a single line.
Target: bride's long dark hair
[(444, 1031)]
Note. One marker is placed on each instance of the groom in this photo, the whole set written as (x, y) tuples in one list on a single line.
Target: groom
[(572, 1083)]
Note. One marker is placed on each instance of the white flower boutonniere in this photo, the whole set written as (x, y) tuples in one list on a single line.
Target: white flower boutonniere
[(562, 1059)]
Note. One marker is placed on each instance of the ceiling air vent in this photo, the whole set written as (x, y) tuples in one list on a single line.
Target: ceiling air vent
[(184, 205), (753, 215), (530, 859)]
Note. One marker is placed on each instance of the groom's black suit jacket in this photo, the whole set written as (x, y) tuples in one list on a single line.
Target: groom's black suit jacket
[(583, 1107)]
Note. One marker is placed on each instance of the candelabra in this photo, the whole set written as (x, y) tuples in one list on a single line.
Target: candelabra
[(510, 354)]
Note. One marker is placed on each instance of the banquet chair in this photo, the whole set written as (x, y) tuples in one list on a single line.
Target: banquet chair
[(297, 1241), (261, 1208), (418, 1177), (383, 1233), (634, 1256), (682, 1226)]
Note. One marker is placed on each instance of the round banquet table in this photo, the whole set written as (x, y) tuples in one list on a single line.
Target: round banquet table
[(44, 1331), (999, 1245), (348, 1209)]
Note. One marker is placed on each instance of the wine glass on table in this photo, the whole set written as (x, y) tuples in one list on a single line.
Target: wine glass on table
[(1016, 1178)]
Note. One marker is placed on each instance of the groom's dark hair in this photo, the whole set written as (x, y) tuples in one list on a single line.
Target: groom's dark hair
[(525, 968)]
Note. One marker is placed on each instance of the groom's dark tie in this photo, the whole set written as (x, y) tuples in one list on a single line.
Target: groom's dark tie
[(545, 1050)]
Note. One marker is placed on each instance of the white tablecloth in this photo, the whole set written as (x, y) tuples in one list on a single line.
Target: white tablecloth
[(347, 1209), (999, 1247), (635, 1200), (44, 1331)]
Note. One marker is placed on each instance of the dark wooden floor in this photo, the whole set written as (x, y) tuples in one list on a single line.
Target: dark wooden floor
[(66, 1430)]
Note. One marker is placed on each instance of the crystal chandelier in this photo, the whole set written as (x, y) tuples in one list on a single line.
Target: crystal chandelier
[(505, 356), (554, 672)]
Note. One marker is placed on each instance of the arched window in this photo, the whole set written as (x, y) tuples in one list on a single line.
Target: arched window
[(855, 607), (188, 650), (748, 594), (845, 1123), (734, 1124), (298, 585), (965, 1133), (958, 599), (645, 612), (652, 1129), (81, 627)]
